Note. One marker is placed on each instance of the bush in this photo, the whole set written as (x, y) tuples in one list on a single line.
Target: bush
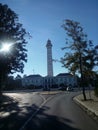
[(96, 91), (96, 87)]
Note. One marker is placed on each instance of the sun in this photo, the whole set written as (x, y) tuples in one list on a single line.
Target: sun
[(5, 47)]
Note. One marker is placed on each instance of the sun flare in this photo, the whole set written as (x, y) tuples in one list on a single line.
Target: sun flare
[(6, 47)]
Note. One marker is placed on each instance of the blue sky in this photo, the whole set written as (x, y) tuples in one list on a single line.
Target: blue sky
[(43, 19)]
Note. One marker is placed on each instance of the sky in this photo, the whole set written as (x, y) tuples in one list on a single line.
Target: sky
[(43, 20)]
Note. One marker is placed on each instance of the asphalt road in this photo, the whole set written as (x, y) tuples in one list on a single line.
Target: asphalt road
[(17, 108), (59, 112)]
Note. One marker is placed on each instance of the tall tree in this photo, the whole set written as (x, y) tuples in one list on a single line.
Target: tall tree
[(13, 51), (80, 53)]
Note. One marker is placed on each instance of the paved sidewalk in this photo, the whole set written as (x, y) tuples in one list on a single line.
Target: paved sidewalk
[(90, 106)]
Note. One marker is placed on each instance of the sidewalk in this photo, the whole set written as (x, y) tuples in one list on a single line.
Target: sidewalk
[(90, 106)]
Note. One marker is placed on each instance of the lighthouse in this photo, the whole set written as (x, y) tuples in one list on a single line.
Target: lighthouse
[(49, 59)]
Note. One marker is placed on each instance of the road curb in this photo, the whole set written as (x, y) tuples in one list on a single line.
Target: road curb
[(88, 110), (50, 92)]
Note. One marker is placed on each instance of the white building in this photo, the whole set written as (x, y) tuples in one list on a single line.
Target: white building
[(66, 79), (49, 80), (32, 80)]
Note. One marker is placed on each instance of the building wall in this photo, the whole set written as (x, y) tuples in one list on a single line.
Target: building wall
[(49, 81), (32, 80)]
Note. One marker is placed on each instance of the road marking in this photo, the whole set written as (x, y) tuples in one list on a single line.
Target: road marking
[(42, 97), (45, 101)]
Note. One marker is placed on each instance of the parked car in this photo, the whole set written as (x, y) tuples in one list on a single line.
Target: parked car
[(69, 89)]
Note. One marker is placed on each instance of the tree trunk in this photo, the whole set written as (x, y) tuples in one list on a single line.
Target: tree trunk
[(84, 95), (1, 83), (0, 87), (82, 79)]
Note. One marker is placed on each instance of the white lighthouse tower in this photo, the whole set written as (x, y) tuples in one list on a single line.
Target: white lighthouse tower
[(49, 59)]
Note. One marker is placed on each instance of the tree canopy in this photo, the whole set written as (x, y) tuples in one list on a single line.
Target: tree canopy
[(81, 55), (13, 52), (78, 49), (12, 33)]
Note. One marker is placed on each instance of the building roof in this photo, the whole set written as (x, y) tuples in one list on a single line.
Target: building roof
[(35, 75), (64, 74)]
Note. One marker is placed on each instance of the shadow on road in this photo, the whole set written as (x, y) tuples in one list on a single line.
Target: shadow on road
[(43, 121), (13, 117)]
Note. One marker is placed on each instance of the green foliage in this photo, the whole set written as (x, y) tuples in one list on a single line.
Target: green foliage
[(96, 85), (12, 84), (11, 32), (80, 56), (96, 90)]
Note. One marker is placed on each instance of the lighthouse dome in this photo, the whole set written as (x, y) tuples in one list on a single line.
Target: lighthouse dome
[(49, 43)]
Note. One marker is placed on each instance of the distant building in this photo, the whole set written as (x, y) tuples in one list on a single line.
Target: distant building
[(49, 80), (66, 79), (34, 80)]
